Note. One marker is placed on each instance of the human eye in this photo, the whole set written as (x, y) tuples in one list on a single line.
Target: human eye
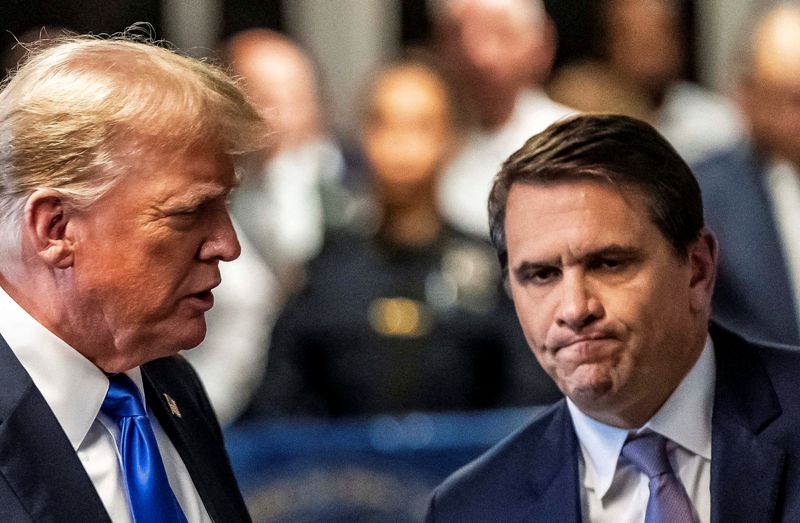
[(539, 275), (611, 263), (184, 217)]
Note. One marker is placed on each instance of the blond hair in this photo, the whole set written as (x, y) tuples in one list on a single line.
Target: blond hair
[(79, 109)]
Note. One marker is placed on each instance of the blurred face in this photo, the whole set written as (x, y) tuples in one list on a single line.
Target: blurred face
[(146, 257), (645, 42), (408, 133), (771, 95), (498, 45), (609, 310), (280, 83)]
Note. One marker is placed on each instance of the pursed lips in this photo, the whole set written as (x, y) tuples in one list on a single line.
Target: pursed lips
[(587, 339)]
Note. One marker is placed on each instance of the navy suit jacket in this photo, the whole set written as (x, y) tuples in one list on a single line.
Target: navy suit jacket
[(42, 479), (755, 465), (753, 293)]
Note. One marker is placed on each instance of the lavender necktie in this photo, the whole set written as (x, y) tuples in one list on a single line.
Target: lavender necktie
[(668, 502)]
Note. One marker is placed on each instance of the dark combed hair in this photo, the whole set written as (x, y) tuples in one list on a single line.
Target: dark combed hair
[(612, 149)]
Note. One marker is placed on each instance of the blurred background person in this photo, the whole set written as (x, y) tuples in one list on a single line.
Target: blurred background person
[(412, 316), (501, 52), (641, 74), (283, 208), (752, 189)]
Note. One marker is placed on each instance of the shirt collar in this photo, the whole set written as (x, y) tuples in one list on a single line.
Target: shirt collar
[(677, 420), (73, 387), (685, 418)]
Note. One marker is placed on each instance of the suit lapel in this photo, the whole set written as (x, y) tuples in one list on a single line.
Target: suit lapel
[(553, 471), (175, 402), (36, 458), (746, 470)]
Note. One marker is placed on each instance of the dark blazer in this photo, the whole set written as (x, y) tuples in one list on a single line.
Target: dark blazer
[(755, 465), (42, 479), (753, 293)]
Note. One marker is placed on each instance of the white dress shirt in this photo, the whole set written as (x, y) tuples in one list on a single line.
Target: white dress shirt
[(74, 389), (467, 179), (698, 122), (613, 490), (783, 189)]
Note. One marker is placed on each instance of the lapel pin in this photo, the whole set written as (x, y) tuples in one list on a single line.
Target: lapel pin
[(173, 407)]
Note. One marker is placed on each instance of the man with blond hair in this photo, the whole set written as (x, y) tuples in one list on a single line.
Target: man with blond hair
[(116, 160)]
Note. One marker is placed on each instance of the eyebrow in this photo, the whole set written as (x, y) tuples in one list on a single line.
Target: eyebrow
[(197, 196), (625, 251)]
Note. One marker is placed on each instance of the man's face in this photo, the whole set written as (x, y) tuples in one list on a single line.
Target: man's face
[(771, 94), (645, 42), (497, 43), (146, 257), (613, 315), (293, 113)]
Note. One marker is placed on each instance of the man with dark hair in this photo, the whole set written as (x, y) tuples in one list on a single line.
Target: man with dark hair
[(599, 227)]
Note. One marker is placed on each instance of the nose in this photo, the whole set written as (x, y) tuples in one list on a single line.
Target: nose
[(579, 306), (222, 243)]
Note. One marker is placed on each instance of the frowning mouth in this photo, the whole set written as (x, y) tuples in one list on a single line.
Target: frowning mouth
[(584, 343)]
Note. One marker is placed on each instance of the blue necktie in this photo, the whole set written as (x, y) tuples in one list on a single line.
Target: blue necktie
[(152, 499), (668, 501)]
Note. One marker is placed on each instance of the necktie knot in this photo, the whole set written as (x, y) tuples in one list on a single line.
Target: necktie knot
[(668, 501), (648, 453), (123, 399)]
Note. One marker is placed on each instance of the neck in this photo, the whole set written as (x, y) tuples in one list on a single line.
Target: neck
[(494, 109), (45, 295), (416, 224)]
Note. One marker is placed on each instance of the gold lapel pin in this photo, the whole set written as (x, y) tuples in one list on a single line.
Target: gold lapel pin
[(173, 407)]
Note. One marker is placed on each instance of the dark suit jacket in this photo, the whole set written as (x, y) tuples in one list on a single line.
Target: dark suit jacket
[(753, 293), (755, 465), (42, 479)]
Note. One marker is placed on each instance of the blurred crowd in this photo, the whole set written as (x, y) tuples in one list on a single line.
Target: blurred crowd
[(366, 274)]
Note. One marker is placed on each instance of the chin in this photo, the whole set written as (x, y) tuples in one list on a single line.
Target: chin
[(191, 341), (187, 334), (593, 392), (177, 340), (591, 387)]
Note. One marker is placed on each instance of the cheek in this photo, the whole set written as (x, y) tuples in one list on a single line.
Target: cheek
[(535, 317)]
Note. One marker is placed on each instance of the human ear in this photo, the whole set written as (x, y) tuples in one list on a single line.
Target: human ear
[(46, 219), (703, 262)]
